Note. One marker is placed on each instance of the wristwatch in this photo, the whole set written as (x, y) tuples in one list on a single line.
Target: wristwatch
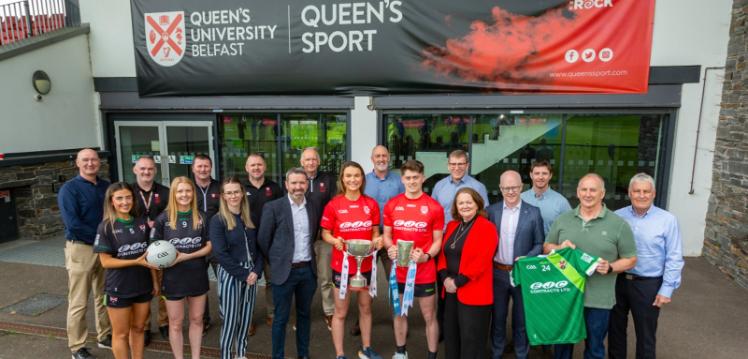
[(610, 269)]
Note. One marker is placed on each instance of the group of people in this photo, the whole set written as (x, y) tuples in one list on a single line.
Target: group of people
[(450, 251)]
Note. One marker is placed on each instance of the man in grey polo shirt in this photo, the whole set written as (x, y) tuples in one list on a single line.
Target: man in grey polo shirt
[(595, 230)]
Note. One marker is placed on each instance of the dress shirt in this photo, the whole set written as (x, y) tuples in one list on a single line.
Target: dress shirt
[(509, 221), (659, 249), (382, 189), (445, 190), (551, 204), (301, 236)]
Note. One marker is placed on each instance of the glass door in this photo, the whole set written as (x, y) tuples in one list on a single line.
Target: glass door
[(172, 144)]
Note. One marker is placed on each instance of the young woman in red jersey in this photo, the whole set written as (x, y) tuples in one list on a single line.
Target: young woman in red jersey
[(351, 215)]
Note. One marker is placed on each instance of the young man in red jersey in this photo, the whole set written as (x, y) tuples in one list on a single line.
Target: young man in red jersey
[(415, 216)]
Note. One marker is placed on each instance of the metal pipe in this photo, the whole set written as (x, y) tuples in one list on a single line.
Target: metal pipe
[(698, 125)]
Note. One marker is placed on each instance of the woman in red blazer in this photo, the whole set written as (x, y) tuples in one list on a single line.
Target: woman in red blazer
[(466, 269)]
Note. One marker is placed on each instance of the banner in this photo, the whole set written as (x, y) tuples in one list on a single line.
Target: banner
[(225, 47)]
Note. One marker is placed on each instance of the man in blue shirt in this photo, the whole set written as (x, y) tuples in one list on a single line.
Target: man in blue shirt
[(644, 289), (382, 184), (541, 195), (81, 202), (458, 164)]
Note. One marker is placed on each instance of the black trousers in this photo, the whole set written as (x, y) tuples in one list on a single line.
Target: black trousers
[(634, 294), (466, 329)]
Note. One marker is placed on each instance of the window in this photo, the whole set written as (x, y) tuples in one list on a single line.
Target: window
[(616, 146), (281, 137)]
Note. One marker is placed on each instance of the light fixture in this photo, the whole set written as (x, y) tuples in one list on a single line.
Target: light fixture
[(42, 83)]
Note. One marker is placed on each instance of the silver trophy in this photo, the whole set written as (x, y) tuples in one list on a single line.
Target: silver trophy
[(360, 249)]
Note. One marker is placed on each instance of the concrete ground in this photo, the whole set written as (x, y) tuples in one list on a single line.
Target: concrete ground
[(707, 318)]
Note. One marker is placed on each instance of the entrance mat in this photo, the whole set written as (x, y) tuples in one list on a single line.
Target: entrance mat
[(35, 305)]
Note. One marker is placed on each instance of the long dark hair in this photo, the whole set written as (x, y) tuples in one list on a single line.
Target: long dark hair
[(346, 164)]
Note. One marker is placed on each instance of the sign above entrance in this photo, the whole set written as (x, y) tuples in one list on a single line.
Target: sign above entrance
[(220, 47)]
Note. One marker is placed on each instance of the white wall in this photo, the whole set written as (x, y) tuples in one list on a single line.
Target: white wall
[(693, 33), (363, 132), (66, 117), (112, 52)]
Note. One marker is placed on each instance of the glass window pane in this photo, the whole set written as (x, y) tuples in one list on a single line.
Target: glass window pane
[(281, 137), (184, 143), (613, 146), (512, 142), (136, 141), (616, 146)]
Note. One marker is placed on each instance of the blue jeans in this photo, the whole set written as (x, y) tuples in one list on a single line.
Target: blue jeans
[(302, 284), (502, 291), (597, 329)]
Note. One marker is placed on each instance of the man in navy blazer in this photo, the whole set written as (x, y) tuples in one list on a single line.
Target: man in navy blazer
[(286, 235), (520, 228)]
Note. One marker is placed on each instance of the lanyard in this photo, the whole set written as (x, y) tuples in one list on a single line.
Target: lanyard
[(147, 202)]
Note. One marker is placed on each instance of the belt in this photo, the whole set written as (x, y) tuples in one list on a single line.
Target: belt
[(75, 241), (300, 264), (630, 276), (503, 267)]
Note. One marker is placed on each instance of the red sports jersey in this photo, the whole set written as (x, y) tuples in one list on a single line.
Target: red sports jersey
[(415, 220), (350, 220)]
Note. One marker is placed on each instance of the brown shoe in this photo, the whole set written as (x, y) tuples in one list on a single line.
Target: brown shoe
[(328, 322), (269, 321), (252, 329)]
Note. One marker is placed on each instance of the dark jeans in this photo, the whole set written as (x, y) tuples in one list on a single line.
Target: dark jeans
[(302, 284), (502, 291), (465, 329), (635, 294), (596, 320)]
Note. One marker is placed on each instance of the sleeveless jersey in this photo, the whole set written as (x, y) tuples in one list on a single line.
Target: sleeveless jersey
[(553, 294)]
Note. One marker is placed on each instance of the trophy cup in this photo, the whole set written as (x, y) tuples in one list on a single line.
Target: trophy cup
[(403, 252), (359, 248)]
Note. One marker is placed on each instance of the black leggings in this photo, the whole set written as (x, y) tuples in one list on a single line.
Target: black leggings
[(466, 329)]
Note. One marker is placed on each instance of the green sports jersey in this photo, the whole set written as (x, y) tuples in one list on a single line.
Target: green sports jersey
[(553, 294)]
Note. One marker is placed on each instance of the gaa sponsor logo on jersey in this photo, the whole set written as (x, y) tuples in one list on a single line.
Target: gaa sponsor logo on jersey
[(130, 249), (400, 209), (589, 4), (538, 286), (424, 209), (165, 38), (186, 242), (353, 226), (410, 224)]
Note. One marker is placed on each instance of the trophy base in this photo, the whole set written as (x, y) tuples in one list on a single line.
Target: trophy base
[(357, 283)]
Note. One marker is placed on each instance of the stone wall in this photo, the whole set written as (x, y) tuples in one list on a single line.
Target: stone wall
[(726, 233), (35, 190)]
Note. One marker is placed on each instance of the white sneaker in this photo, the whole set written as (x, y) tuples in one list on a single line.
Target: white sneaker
[(400, 356)]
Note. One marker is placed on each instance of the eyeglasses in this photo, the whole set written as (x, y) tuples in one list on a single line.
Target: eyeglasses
[(457, 164), (232, 193), (510, 189)]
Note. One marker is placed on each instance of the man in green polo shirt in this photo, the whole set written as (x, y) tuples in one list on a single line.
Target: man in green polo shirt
[(593, 229)]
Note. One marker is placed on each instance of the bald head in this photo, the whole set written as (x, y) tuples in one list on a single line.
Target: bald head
[(88, 163), (510, 184)]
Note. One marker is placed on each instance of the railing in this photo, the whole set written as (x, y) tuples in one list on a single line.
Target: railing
[(23, 19)]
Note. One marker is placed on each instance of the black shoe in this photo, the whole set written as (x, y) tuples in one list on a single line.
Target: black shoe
[(146, 338), (164, 330), (83, 353), (106, 343)]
